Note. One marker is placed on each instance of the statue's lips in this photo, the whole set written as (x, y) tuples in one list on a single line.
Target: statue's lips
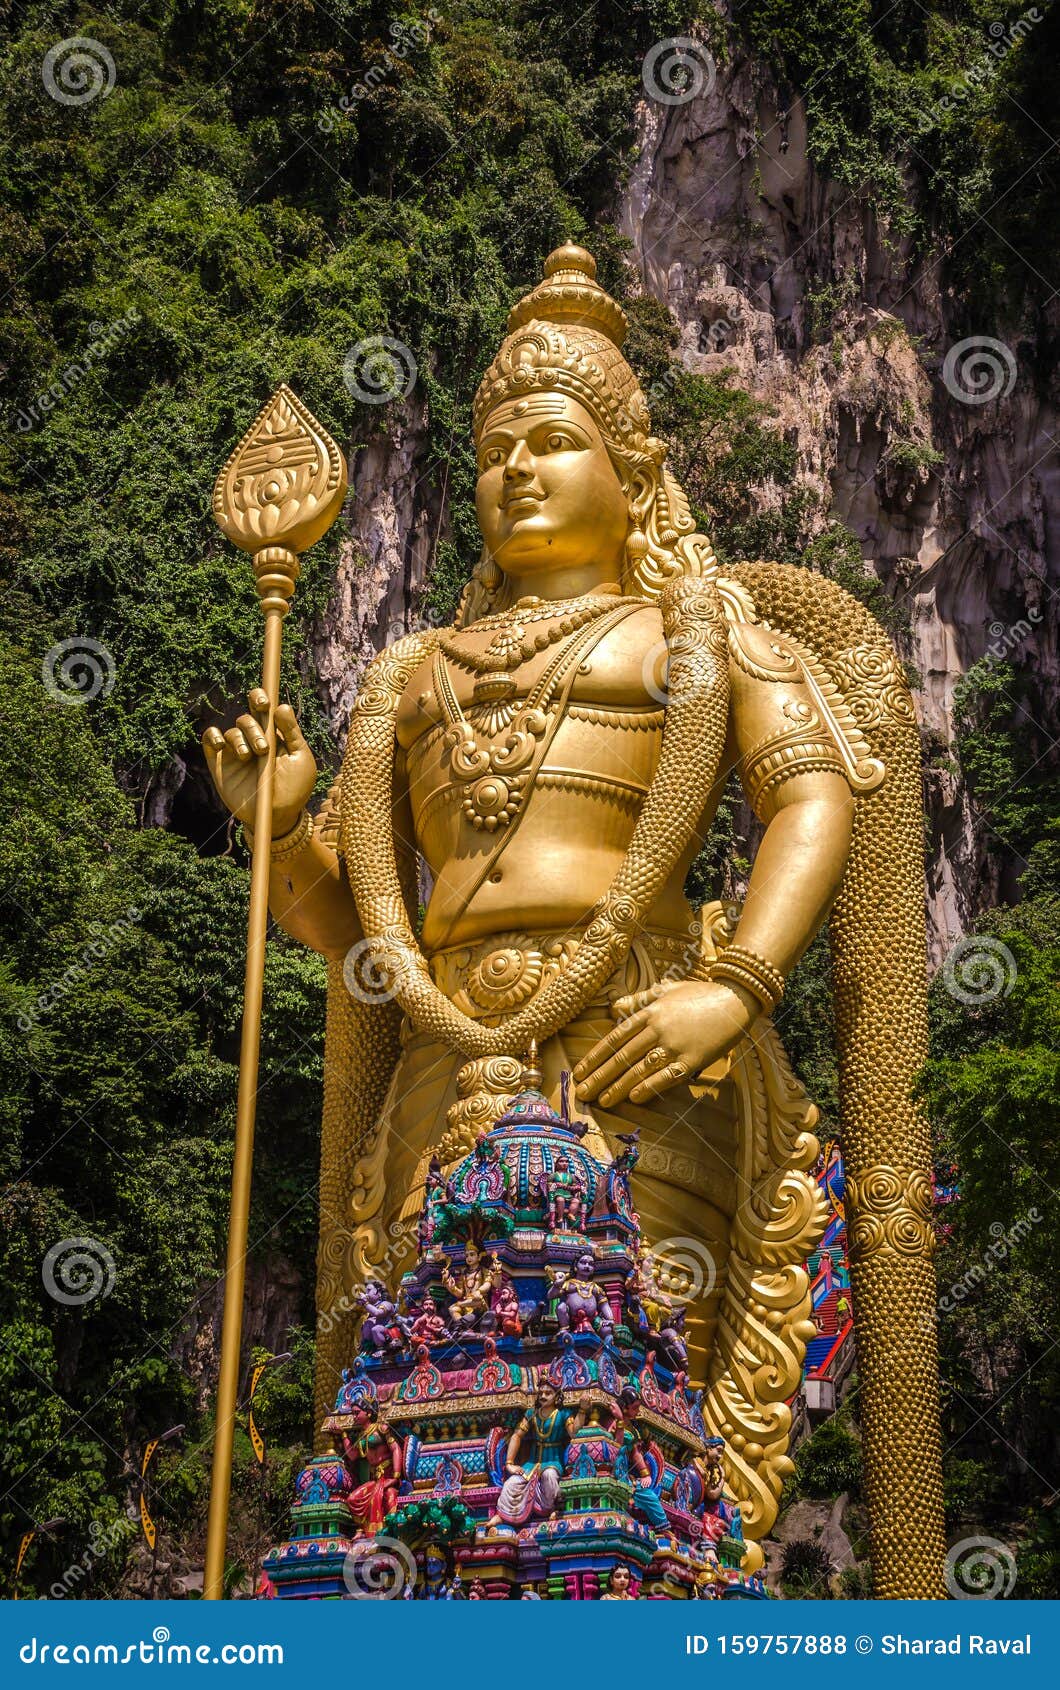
[(521, 504)]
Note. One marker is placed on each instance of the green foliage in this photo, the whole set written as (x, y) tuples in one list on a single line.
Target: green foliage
[(829, 1462), (855, 1583), (956, 98), (120, 980), (1038, 1558), (436, 1519), (806, 1567), (969, 1490), (991, 1087), (1003, 752), (805, 1021)]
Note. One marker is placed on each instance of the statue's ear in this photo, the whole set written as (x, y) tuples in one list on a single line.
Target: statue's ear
[(641, 492)]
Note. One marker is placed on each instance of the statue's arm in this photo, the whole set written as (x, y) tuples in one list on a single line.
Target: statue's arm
[(792, 770), (311, 899), (792, 773)]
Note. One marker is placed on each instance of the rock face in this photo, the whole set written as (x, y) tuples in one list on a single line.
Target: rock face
[(942, 462), (394, 520)]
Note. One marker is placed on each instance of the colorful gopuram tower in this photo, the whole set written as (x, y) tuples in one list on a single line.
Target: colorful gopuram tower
[(518, 1422)]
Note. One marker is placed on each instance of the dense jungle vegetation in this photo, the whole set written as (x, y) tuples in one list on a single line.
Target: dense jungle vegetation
[(227, 217)]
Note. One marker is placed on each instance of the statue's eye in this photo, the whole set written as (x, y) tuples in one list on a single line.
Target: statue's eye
[(492, 457), (557, 442)]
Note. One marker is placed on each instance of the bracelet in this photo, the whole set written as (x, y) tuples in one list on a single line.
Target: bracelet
[(747, 969), (289, 844)]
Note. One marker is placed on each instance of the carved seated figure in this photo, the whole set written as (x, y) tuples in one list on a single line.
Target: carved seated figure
[(582, 1304), (564, 1193), (428, 1326), (535, 1457), (471, 1289)]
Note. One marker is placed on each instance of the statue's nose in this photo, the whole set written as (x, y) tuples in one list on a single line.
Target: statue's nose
[(520, 464)]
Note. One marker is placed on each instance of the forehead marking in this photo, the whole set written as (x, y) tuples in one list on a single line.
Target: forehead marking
[(545, 405)]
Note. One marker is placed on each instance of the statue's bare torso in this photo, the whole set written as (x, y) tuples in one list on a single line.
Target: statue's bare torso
[(579, 813)]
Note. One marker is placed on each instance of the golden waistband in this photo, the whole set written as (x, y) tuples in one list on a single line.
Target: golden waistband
[(491, 978)]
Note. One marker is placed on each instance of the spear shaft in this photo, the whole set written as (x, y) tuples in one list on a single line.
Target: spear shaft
[(284, 484), (275, 607)]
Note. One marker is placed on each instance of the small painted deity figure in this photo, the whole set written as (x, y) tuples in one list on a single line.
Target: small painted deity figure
[(435, 1582), (653, 1310), (477, 1593), (428, 1326), (619, 1586), (488, 1177), (506, 1309), (532, 1485), (672, 1349), (582, 1303), (382, 1327), (619, 1193), (646, 1501), (373, 1456), (711, 1472), (472, 1289), (564, 1192), (708, 1576), (435, 1193)]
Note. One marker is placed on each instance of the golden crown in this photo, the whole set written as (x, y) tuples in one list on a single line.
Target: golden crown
[(565, 335)]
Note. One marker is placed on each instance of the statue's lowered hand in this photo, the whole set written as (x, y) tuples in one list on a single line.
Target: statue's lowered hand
[(233, 759), (664, 1036)]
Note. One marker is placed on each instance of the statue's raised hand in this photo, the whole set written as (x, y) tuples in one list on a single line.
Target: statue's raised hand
[(233, 759)]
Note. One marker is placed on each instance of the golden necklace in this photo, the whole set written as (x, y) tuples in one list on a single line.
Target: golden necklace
[(494, 776), (511, 646)]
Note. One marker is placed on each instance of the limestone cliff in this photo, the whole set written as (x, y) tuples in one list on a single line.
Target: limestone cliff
[(732, 227)]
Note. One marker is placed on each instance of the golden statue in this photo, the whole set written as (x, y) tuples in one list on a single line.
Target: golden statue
[(555, 759)]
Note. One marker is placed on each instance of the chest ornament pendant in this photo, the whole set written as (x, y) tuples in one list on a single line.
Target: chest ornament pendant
[(495, 771)]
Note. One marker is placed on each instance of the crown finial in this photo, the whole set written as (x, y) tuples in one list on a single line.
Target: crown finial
[(570, 295), (571, 257), (531, 1077)]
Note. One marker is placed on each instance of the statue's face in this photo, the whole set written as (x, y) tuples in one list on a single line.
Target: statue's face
[(548, 495), (585, 1267), (620, 1580)]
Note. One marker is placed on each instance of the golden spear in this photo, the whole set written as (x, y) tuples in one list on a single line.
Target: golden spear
[(277, 495)]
